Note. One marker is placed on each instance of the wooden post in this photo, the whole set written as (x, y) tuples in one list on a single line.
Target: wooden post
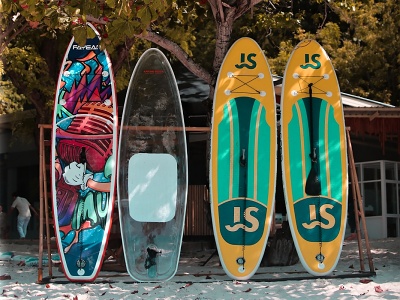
[(41, 188), (354, 182), (44, 212), (359, 207), (357, 219)]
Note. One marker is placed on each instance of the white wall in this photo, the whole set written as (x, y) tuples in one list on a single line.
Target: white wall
[(376, 227)]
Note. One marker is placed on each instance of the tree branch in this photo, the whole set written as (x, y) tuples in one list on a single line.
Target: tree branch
[(123, 53), (13, 30), (214, 9), (178, 52), (221, 11), (34, 96)]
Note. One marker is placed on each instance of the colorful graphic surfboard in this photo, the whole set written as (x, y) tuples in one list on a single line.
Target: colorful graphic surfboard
[(243, 158), (314, 161), (152, 177), (84, 140)]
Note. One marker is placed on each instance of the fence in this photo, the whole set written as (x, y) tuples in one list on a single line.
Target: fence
[(198, 217)]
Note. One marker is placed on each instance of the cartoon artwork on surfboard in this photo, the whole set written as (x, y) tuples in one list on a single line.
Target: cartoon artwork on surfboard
[(314, 161), (152, 177), (84, 141), (243, 158)]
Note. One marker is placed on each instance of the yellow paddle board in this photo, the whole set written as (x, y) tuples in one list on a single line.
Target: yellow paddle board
[(243, 158), (314, 160)]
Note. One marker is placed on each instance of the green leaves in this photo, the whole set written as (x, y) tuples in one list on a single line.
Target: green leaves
[(10, 101), (110, 3), (330, 37), (359, 36), (80, 35), (146, 14), (121, 28)]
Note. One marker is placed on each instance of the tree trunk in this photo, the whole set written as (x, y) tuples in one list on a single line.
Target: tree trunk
[(281, 250), (224, 23)]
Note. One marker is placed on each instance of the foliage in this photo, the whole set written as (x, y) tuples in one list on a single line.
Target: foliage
[(189, 24), (30, 73), (368, 58), (361, 37), (10, 101)]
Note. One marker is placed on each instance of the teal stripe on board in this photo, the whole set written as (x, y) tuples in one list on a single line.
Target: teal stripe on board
[(263, 160), (325, 117), (243, 120), (295, 134), (251, 141), (328, 161), (335, 158), (224, 157)]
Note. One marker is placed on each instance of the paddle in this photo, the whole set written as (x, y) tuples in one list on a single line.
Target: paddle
[(313, 183)]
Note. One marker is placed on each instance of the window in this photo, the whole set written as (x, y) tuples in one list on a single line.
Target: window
[(392, 227), (380, 191), (391, 198), (371, 188), (372, 199)]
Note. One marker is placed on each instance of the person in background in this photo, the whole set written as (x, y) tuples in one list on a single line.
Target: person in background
[(24, 213), (3, 223)]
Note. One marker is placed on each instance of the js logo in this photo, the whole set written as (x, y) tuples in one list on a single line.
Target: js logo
[(243, 63), (242, 221), (314, 58), (247, 216), (324, 215), (318, 223)]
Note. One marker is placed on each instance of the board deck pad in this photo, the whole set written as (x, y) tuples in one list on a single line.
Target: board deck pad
[(152, 178), (243, 158), (314, 161), (83, 144)]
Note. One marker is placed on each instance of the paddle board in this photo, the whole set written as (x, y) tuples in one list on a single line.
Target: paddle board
[(243, 158), (152, 177), (84, 139), (314, 161)]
